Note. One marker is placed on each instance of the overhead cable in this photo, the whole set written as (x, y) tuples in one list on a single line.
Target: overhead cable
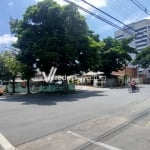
[(139, 5), (96, 16), (116, 5), (107, 14)]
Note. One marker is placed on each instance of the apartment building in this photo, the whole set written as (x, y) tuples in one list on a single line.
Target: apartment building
[(140, 31)]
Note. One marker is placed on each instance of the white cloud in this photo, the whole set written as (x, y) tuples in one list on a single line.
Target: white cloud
[(147, 17), (136, 17), (10, 4), (130, 20), (97, 3), (7, 39), (38, 0), (61, 2)]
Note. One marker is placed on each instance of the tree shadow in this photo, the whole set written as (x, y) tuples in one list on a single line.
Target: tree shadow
[(51, 99)]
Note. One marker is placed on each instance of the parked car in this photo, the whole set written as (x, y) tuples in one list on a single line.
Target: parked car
[(57, 82), (2, 90)]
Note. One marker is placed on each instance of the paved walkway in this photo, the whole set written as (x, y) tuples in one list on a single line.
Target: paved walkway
[(90, 88)]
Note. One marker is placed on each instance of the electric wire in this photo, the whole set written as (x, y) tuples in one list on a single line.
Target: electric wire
[(107, 14), (142, 7), (116, 12), (97, 16), (125, 9), (122, 10)]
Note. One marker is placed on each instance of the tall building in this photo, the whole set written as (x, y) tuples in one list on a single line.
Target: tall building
[(140, 31)]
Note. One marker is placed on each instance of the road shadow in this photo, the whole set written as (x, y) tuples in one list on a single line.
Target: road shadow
[(51, 99)]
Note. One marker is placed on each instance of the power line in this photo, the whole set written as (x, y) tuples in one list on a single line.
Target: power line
[(97, 16), (122, 10), (142, 7), (93, 14), (107, 14)]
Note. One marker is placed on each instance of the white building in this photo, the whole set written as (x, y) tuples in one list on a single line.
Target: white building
[(140, 31)]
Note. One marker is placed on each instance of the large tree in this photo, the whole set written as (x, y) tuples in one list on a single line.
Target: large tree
[(5, 74), (143, 58), (115, 55), (51, 35), (12, 67)]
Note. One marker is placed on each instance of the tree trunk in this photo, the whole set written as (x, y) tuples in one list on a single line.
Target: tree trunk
[(13, 84), (66, 89), (28, 86), (125, 76)]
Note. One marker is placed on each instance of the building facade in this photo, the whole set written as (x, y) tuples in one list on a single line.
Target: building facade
[(140, 31)]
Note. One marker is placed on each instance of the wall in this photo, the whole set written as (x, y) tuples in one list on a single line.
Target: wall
[(38, 88)]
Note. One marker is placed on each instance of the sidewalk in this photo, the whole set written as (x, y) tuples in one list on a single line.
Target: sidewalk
[(94, 130), (90, 88)]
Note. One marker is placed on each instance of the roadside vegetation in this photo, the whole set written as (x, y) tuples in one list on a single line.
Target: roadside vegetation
[(53, 35)]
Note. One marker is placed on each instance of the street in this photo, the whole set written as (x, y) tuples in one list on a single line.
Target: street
[(92, 119)]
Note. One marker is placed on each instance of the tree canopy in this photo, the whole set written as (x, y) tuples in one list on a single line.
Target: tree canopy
[(115, 55), (143, 58), (9, 67), (9, 64), (4, 72), (51, 35)]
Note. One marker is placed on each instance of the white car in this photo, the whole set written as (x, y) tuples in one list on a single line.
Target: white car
[(2, 90)]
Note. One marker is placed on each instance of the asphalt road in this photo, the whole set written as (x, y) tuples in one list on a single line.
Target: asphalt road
[(96, 119)]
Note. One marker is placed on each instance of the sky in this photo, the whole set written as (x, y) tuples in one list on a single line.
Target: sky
[(124, 10)]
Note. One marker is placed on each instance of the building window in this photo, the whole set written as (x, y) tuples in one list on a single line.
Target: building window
[(119, 36), (141, 41), (138, 46), (141, 29), (141, 37), (141, 33)]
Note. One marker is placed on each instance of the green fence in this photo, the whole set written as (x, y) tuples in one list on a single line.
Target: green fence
[(39, 88)]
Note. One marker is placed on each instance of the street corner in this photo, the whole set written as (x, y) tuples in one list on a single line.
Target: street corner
[(73, 137), (62, 140)]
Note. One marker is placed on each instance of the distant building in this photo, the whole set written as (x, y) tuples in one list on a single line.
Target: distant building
[(140, 31)]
